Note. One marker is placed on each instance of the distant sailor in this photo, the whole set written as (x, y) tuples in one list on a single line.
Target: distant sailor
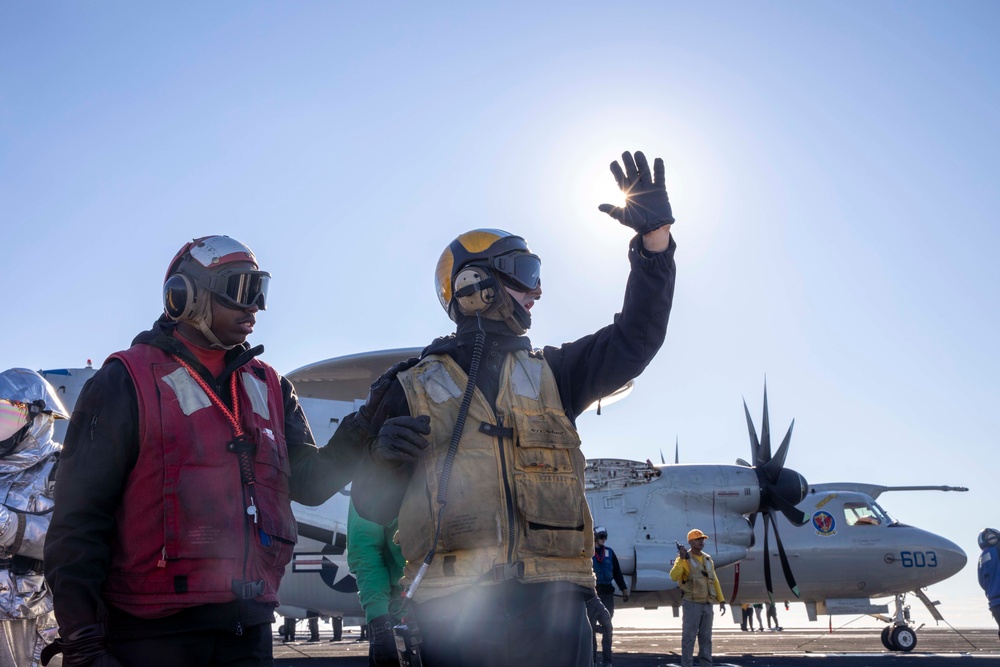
[(608, 572), (694, 571)]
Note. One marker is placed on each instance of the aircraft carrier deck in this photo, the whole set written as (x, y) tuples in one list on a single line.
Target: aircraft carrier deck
[(976, 647)]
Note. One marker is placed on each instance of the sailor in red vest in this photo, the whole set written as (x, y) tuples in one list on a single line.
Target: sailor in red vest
[(172, 523)]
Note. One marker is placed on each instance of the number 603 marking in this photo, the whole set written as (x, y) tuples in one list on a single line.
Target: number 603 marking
[(918, 558)]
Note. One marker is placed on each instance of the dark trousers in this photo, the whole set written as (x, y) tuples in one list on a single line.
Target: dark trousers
[(507, 624), (604, 627), (209, 648), (996, 616)]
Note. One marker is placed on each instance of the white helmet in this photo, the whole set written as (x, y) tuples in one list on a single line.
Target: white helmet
[(212, 267)]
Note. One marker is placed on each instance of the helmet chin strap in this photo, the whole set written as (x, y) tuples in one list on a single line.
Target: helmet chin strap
[(513, 314), (202, 321)]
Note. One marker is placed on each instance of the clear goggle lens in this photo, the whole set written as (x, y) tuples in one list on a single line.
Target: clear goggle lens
[(520, 270), (13, 417)]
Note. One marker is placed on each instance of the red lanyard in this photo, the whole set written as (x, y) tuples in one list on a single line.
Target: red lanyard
[(246, 463), (232, 415)]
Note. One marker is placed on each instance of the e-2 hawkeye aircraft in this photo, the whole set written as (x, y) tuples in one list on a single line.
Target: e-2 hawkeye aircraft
[(838, 548), (848, 551)]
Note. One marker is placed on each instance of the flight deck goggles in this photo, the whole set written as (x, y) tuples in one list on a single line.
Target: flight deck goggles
[(240, 290), (519, 270)]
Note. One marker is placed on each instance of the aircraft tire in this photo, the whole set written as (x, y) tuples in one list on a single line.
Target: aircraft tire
[(887, 639), (904, 638)]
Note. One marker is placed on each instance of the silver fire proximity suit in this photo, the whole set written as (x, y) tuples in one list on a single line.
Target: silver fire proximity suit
[(28, 410)]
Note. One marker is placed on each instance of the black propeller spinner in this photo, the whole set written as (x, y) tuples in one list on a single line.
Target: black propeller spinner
[(781, 489)]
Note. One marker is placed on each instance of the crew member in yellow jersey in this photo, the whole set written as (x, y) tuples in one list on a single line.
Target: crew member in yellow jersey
[(694, 571)]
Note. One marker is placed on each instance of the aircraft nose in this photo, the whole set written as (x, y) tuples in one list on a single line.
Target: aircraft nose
[(930, 558), (950, 557)]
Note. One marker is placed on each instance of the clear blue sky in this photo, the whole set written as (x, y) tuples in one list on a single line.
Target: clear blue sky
[(833, 170)]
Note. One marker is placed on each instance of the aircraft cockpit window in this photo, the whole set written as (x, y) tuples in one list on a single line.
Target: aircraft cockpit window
[(861, 514), (886, 518)]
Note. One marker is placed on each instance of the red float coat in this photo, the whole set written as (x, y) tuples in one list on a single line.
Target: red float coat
[(183, 533)]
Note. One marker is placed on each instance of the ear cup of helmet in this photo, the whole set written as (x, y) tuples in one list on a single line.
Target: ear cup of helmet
[(179, 297), (474, 289)]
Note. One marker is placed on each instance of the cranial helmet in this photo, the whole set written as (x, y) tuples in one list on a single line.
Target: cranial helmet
[(600, 531), (988, 538), (696, 534), (473, 269), (25, 398), (212, 267)]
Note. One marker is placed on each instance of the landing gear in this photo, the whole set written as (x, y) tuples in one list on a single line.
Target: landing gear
[(899, 635), (904, 638)]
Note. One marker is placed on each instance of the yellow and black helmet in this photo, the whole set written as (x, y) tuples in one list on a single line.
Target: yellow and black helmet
[(503, 254)]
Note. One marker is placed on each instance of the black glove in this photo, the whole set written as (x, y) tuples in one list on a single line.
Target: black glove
[(722, 609), (647, 206), (624, 596), (86, 647), (378, 390), (382, 646), (401, 439), (597, 612)]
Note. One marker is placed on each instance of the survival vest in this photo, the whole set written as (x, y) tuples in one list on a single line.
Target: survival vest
[(183, 534), (515, 506)]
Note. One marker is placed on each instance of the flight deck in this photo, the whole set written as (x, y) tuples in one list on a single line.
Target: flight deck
[(976, 647)]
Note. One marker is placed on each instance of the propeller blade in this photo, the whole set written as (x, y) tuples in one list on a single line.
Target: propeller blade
[(785, 567), (765, 434), (767, 559), (773, 467), (794, 515), (754, 444)]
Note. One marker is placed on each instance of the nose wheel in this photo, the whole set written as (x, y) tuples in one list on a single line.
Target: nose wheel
[(899, 636)]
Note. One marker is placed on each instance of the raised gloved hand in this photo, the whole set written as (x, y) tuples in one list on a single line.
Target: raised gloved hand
[(647, 206), (401, 439), (85, 647), (378, 390), (382, 647)]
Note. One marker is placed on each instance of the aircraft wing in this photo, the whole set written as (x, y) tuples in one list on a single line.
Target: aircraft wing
[(346, 378)]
